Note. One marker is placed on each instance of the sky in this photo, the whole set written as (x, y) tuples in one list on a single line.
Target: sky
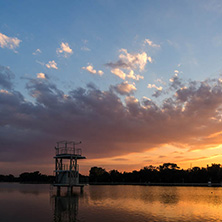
[(138, 82)]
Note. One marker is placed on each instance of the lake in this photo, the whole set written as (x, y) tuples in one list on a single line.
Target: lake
[(34, 202)]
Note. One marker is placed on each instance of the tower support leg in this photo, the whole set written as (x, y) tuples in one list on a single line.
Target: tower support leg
[(58, 191)]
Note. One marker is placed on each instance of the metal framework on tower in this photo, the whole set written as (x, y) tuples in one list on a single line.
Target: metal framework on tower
[(66, 167)]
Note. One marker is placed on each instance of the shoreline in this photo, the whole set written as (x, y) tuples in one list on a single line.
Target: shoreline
[(134, 184), (161, 184)]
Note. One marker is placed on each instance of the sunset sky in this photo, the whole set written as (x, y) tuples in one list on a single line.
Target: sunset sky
[(138, 82)]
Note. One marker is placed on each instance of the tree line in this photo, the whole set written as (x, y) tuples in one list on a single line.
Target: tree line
[(165, 173), (33, 177)]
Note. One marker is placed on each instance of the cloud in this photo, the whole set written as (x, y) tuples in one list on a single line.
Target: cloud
[(130, 61), (145, 100), (100, 72), (119, 73), (158, 93), (123, 75), (160, 81), (133, 105), (197, 158), (176, 82), (41, 75), (4, 91), (90, 69), (124, 88), (150, 86), (159, 89), (37, 51), (51, 65), (39, 62), (84, 48), (5, 77), (132, 75), (162, 156), (108, 126), (64, 50), (121, 159), (150, 43), (9, 42)]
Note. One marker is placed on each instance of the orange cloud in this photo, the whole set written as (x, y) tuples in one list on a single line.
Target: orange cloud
[(125, 88), (90, 69)]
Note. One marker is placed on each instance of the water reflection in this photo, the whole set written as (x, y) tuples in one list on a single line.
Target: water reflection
[(24, 203), (35, 189), (65, 207), (170, 197), (165, 195)]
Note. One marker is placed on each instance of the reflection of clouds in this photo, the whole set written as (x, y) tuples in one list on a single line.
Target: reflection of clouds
[(157, 194), (34, 189), (146, 194), (158, 202), (113, 203), (169, 197), (24, 202)]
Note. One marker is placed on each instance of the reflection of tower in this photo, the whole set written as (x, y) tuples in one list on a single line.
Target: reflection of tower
[(65, 208), (66, 167)]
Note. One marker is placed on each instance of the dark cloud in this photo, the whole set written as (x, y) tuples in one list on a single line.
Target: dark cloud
[(119, 64), (176, 82), (106, 125), (148, 160), (158, 93), (161, 156), (178, 157), (5, 77), (121, 159)]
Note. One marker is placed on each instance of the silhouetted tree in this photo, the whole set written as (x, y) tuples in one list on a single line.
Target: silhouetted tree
[(8, 178), (214, 173), (165, 173), (115, 176), (98, 174), (35, 177)]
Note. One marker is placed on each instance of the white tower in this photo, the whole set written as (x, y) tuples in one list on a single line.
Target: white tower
[(66, 167)]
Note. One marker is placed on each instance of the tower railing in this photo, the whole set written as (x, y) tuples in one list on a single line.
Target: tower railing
[(68, 147), (66, 167), (68, 150)]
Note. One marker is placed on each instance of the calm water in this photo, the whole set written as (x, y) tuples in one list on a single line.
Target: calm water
[(19, 202)]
